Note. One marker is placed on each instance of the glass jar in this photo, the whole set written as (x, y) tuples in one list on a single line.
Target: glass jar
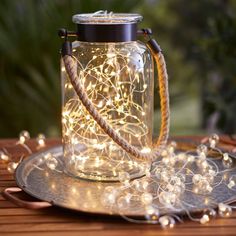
[(117, 76)]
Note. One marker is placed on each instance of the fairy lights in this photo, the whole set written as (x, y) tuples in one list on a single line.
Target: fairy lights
[(162, 187), (227, 161), (41, 140), (51, 161), (152, 215), (146, 198), (224, 210), (24, 136), (205, 218), (4, 156), (170, 177), (208, 214), (167, 222), (12, 166), (116, 80), (232, 181), (124, 177), (213, 140)]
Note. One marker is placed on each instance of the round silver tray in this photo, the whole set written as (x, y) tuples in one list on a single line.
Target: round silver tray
[(60, 189)]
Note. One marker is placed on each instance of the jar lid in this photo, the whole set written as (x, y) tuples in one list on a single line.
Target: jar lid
[(103, 17), (102, 26)]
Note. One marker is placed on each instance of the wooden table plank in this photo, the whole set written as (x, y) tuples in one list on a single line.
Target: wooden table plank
[(72, 228), (143, 232), (55, 221)]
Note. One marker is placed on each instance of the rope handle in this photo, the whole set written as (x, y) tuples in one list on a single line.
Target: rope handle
[(71, 69)]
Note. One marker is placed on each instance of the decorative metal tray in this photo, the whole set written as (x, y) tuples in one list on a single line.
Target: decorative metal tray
[(60, 189)]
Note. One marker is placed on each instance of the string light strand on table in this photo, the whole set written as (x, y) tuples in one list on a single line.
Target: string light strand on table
[(162, 187)]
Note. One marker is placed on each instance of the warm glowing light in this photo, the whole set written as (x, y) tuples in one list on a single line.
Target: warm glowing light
[(146, 150), (41, 140), (3, 156), (112, 84)]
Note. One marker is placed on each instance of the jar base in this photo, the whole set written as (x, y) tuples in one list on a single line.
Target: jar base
[(101, 165), (106, 171), (103, 178)]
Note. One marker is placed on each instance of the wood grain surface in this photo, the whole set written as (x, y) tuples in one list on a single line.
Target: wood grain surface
[(55, 221)]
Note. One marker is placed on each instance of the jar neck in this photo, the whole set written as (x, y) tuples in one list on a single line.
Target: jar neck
[(107, 32)]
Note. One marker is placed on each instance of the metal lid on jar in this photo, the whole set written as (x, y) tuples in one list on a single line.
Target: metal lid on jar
[(102, 26)]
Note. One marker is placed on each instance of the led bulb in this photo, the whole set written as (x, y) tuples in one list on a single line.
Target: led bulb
[(122, 202), (152, 214), (204, 186), (146, 198), (181, 156), (197, 178), (210, 212), (24, 136), (205, 218), (227, 160), (3, 156), (224, 210), (41, 140), (12, 166), (213, 140), (146, 150), (124, 177), (108, 199), (167, 222), (168, 199), (190, 158), (51, 161), (232, 181), (202, 149)]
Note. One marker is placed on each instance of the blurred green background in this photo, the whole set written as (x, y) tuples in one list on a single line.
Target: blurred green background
[(198, 39)]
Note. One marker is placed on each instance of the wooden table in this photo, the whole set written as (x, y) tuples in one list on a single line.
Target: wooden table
[(55, 221)]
